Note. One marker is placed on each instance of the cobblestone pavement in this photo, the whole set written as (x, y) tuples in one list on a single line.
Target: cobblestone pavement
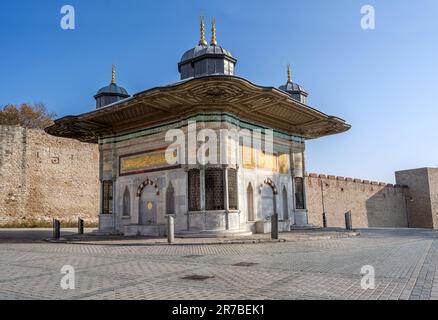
[(405, 263)]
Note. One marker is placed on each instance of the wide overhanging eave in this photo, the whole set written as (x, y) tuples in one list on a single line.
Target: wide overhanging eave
[(267, 106)]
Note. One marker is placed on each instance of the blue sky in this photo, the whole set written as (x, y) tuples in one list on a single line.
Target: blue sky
[(383, 82)]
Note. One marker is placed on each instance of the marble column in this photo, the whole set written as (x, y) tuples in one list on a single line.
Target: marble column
[(202, 187), (226, 207)]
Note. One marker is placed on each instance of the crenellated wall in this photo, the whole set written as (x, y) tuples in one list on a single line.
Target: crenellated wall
[(44, 177), (373, 204)]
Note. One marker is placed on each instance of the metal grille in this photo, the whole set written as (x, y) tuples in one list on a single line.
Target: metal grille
[(194, 190), (232, 189), (299, 193), (108, 197), (214, 189)]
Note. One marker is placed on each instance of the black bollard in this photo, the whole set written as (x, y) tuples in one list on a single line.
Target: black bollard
[(274, 226), (56, 229), (80, 226)]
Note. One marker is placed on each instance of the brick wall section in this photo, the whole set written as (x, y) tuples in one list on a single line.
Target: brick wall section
[(372, 204), (423, 190), (44, 177)]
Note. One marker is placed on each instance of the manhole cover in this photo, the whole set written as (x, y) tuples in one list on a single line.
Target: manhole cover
[(197, 277), (245, 264), (193, 256)]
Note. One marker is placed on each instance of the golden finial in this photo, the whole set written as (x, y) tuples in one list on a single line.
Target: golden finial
[(213, 33), (289, 72), (202, 42), (113, 74)]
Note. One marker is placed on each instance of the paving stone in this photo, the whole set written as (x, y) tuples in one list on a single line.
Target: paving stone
[(405, 268)]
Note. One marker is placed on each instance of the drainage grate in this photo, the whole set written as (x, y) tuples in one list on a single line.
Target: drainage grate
[(245, 264), (197, 277), (193, 256)]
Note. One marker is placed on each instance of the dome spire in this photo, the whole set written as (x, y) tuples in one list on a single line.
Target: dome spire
[(295, 91), (213, 41), (110, 93), (202, 41), (113, 74)]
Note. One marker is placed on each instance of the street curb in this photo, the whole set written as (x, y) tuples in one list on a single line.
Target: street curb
[(225, 242)]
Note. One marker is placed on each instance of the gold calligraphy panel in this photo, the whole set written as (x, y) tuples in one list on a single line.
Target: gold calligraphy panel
[(272, 162), (283, 163), (248, 158), (267, 161), (143, 162)]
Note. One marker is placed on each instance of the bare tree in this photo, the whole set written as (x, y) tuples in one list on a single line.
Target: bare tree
[(30, 116)]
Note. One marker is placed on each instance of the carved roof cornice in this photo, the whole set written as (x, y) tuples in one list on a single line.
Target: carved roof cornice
[(266, 106)]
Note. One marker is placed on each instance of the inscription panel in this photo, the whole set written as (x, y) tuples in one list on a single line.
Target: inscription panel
[(153, 160)]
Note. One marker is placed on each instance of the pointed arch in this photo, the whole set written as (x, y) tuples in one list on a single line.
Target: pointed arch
[(126, 202), (146, 183), (170, 199)]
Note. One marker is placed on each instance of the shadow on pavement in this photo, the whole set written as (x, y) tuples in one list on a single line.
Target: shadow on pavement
[(31, 235), (399, 233)]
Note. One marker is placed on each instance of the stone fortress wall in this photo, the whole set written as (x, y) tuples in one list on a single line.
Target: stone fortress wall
[(423, 196), (44, 177), (372, 204)]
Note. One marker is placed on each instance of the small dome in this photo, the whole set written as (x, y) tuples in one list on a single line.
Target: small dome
[(294, 90), (113, 89), (110, 93), (206, 59), (201, 50), (291, 87)]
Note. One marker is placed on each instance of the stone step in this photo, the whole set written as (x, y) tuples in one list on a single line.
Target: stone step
[(305, 227), (212, 234)]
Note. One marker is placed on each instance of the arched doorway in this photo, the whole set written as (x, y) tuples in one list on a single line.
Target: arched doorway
[(267, 202), (250, 203), (285, 205), (147, 202)]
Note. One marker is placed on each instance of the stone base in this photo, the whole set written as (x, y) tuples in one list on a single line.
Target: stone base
[(301, 218), (265, 226), (305, 227), (284, 225), (107, 232), (106, 222), (156, 230)]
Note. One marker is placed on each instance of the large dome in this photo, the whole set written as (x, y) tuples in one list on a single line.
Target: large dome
[(205, 59)]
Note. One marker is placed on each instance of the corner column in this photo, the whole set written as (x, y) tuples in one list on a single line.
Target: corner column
[(202, 187), (226, 206)]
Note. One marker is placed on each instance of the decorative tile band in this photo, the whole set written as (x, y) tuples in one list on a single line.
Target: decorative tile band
[(205, 117)]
